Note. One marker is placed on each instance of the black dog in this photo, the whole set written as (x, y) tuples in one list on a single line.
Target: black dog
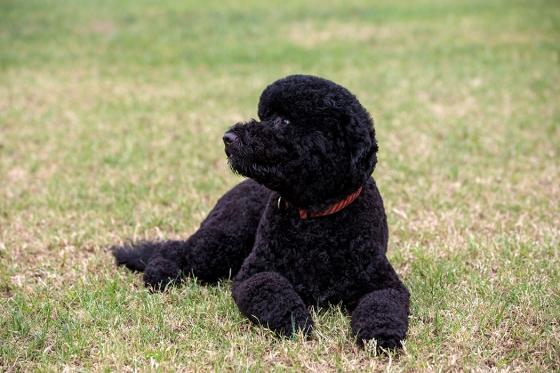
[(308, 228)]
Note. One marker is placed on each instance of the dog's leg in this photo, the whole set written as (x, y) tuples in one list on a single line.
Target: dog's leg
[(214, 252), (269, 299), (157, 259), (382, 314)]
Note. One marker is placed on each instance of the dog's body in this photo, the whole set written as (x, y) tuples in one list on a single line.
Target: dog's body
[(309, 229)]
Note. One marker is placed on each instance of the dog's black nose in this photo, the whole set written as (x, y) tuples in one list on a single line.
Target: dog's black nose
[(229, 137)]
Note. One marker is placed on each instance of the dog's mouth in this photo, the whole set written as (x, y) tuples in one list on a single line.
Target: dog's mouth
[(243, 163)]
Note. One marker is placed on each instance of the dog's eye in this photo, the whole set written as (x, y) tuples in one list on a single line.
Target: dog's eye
[(282, 120), (278, 121)]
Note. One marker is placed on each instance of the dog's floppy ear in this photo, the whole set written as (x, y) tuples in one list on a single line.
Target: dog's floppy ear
[(359, 134), (361, 142)]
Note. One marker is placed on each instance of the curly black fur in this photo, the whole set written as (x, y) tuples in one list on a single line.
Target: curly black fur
[(314, 145)]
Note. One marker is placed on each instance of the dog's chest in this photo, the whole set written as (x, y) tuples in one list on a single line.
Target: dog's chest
[(320, 257), (327, 259)]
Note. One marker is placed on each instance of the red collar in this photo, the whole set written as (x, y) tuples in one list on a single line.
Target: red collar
[(335, 207)]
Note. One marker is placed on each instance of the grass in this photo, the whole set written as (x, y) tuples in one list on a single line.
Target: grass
[(111, 116)]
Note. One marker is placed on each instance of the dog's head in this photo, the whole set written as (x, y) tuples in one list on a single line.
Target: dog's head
[(314, 143)]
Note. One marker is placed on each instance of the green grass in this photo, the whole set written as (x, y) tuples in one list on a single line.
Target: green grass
[(111, 116)]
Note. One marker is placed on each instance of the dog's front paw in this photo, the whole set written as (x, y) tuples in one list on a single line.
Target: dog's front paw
[(299, 320), (160, 273), (268, 299), (382, 315)]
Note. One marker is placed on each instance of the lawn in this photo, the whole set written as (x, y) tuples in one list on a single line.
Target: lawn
[(111, 118)]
